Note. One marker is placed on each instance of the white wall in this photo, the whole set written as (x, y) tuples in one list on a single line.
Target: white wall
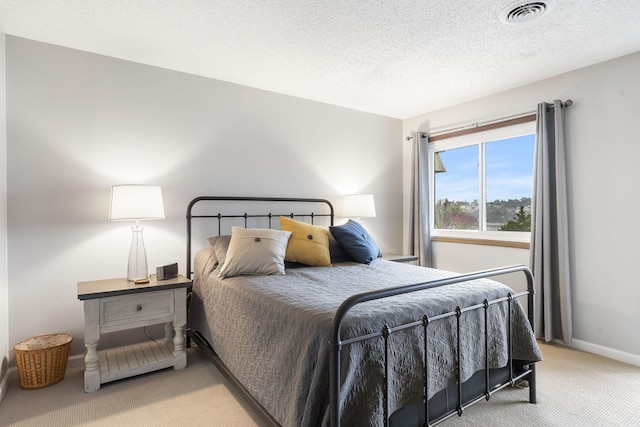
[(467, 258), (4, 288), (603, 197), (78, 123)]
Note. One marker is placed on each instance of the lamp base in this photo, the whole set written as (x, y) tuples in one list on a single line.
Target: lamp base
[(137, 268)]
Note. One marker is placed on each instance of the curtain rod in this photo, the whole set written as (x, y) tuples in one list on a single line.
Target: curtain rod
[(486, 125)]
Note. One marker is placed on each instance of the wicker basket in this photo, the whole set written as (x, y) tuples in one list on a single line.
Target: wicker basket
[(42, 360)]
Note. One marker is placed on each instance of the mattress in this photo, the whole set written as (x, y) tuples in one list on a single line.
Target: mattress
[(272, 333)]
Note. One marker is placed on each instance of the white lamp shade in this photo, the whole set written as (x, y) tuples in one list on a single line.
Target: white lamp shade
[(359, 206), (134, 202)]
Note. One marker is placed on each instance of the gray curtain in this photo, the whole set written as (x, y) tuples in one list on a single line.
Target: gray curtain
[(549, 228), (419, 216)]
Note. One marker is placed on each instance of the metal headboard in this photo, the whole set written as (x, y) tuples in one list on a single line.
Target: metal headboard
[(271, 202)]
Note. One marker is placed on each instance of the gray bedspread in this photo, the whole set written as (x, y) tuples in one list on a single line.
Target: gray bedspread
[(272, 332)]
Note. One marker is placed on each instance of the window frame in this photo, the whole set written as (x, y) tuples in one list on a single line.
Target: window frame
[(477, 139)]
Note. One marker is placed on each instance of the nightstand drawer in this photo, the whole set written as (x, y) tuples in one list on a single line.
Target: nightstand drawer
[(141, 309)]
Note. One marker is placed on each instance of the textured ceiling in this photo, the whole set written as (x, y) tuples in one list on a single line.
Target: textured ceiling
[(398, 58)]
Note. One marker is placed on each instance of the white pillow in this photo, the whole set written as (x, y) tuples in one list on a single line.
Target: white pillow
[(256, 251)]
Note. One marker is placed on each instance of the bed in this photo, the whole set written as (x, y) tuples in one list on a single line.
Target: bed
[(350, 343)]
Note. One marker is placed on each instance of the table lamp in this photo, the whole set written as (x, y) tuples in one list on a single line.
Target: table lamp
[(358, 206), (136, 202)]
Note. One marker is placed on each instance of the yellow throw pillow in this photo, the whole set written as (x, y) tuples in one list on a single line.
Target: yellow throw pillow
[(308, 244)]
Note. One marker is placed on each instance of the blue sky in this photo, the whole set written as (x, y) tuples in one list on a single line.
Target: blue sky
[(509, 166)]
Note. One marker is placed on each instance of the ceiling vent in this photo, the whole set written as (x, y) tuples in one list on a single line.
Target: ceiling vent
[(526, 10)]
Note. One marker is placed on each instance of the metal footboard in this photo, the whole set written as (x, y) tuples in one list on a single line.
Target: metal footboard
[(336, 344)]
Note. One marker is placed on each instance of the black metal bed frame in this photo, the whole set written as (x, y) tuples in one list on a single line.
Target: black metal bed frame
[(336, 343), (245, 216)]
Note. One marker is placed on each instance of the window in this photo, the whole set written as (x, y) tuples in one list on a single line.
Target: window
[(482, 183)]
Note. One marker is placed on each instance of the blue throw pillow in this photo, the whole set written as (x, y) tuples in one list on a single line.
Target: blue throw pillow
[(356, 241), (337, 253)]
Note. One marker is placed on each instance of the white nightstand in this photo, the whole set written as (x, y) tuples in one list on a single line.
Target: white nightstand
[(409, 259), (116, 305)]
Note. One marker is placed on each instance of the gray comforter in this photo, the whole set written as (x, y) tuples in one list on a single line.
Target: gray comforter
[(272, 332)]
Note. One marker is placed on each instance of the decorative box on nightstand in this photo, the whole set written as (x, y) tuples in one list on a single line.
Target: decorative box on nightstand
[(409, 259), (116, 305)]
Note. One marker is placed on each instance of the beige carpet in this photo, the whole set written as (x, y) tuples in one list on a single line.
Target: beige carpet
[(574, 389), (195, 396)]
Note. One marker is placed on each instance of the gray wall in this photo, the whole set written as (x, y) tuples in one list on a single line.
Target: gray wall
[(603, 196), (78, 123), (4, 288)]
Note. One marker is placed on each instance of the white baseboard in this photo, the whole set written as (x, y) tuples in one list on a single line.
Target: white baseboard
[(611, 353), (75, 361)]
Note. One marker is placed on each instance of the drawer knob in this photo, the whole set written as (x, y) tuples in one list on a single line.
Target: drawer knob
[(138, 307)]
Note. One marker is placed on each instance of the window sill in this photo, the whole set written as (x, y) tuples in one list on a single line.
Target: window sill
[(482, 242)]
